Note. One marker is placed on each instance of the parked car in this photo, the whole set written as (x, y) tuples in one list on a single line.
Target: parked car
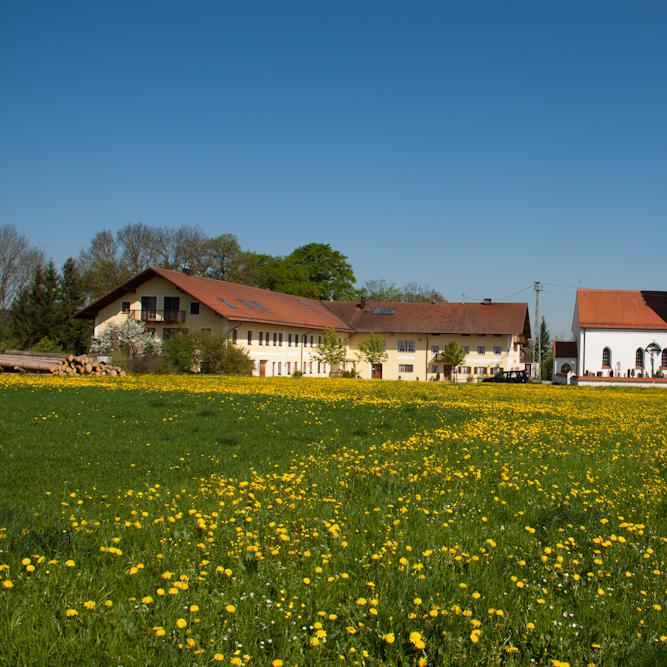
[(509, 376)]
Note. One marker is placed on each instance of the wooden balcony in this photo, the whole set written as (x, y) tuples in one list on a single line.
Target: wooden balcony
[(162, 316)]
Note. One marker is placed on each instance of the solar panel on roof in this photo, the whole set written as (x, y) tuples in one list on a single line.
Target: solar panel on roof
[(247, 304), (384, 311), (231, 305), (260, 306)]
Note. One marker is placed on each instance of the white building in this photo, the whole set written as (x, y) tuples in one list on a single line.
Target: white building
[(620, 334)]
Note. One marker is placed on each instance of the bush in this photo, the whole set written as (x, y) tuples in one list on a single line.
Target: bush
[(297, 373), (181, 351), (130, 336), (207, 352), (151, 363), (350, 374), (46, 344)]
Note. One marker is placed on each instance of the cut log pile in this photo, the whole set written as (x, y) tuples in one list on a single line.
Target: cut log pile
[(56, 364)]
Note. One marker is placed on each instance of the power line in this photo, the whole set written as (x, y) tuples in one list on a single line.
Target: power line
[(566, 286)]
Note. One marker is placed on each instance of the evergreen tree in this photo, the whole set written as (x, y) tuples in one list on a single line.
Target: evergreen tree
[(73, 335), (27, 310), (546, 354)]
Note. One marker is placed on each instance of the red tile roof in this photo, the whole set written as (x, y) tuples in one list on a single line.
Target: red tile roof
[(565, 348), (234, 302), (454, 318), (622, 309), (240, 303)]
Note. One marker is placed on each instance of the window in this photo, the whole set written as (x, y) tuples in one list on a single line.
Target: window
[(194, 308), (497, 349), (266, 335), (639, 358), (235, 335), (280, 339), (275, 339), (304, 367), (434, 368), (319, 340), (280, 368), (288, 365), (289, 340), (261, 338), (435, 349), (310, 367), (405, 346), (150, 331), (481, 349), (663, 363), (606, 358), (466, 349), (405, 368), (464, 370), (312, 339), (125, 307), (249, 337), (480, 370), (319, 367), (296, 339)]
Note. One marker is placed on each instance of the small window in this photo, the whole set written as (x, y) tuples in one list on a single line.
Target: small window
[(125, 307), (497, 349), (266, 334), (249, 337), (150, 331), (639, 358), (289, 340), (288, 365), (480, 370), (663, 362), (261, 338), (319, 340), (312, 341), (466, 349), (280, 339), (405, 346), (194, 308), (606, 358), (235, 335), (275, 339), (280, 372), (310, 367), (296, 340), (435, 349), (434, 368), (406, 368), (481, 349)]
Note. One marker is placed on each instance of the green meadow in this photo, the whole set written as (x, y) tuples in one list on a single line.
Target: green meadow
[(199, 521)]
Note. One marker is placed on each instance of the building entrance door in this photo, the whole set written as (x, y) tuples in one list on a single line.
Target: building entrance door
[(377, 372), (262, 368)]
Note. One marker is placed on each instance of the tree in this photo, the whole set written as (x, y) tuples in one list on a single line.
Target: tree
[(372, 350), (74, 335), (546, 353), (331, 350), (381, 290), (35, 312), (323, 273), (130, 337), (18, 262), (100, 265), (453, 354)]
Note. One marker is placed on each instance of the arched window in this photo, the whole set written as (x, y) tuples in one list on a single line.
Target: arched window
[(663, 361), (639, 358), (606, 358)]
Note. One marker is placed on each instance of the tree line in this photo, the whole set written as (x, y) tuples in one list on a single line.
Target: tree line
[(37, 300)]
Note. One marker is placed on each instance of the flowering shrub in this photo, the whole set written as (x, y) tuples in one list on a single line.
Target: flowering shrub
[(130, 337)]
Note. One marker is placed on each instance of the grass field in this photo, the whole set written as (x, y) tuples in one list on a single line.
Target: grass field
[(178, 520)]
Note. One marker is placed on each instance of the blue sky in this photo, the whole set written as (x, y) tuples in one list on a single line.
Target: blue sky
[(473, 146)]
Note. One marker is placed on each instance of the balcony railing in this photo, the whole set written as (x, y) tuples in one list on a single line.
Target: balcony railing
[(165, 316)]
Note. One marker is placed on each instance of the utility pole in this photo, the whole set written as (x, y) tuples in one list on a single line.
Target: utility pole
[(537, 348)]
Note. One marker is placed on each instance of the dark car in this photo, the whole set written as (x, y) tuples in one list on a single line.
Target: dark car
[(509, 376)]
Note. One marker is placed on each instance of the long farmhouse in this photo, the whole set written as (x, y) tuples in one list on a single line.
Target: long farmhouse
[(281, 331)]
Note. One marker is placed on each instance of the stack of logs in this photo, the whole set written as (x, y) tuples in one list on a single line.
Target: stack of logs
[(56, 364)]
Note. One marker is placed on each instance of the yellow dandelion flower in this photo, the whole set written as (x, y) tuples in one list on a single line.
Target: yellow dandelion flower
[(71, 613), (181, 623), (230, 608), (218, 657), (89, 604), (390, 638), (417, 640), (7, 583)]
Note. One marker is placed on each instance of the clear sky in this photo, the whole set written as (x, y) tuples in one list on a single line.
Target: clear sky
[(474, 146)]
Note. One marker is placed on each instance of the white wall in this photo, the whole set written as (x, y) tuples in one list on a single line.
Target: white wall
[(623, 344)]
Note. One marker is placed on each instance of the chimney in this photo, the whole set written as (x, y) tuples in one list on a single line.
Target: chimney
[(487, 302), (187, 270), (362, 302)]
